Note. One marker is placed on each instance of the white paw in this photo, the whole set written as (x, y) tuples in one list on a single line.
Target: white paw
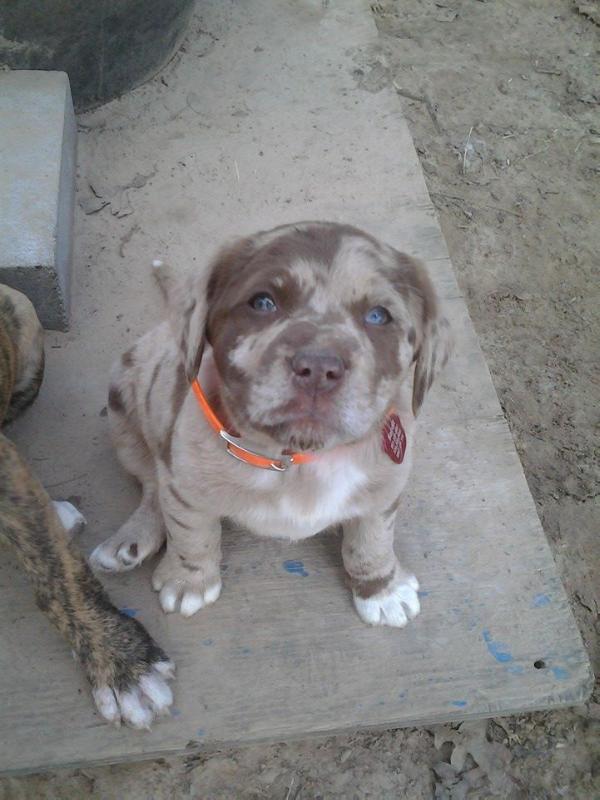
[(138, 706), (71, 519), (394, 606), (177, 595), (127, 548), (183, 590)]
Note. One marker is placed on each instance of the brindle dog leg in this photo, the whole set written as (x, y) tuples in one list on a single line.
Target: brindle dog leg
[(383, 593), (126, 668)]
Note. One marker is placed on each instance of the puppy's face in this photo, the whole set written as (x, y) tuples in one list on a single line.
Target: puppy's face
[(313, 328)]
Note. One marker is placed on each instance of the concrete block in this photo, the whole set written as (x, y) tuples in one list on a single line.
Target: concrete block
[(37, 186)]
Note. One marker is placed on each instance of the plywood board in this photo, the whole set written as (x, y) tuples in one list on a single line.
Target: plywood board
[(272, 124)]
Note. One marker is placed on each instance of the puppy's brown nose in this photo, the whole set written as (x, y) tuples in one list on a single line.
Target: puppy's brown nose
[(317, 372)]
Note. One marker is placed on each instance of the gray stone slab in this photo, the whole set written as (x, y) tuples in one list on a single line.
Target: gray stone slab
[(37, 183)]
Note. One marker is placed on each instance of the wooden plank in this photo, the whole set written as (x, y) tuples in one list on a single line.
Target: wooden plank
[(282, 653)]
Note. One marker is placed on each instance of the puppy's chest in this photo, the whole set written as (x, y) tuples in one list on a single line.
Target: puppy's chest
[(307, 501)]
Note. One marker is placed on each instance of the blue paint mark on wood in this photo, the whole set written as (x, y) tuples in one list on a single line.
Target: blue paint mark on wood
[(295, 568), (459, 703), (129, 612), (207, 642), (422, 593), (499, 650), (541, 600), (560, 673), (175, 712), (200, 732)]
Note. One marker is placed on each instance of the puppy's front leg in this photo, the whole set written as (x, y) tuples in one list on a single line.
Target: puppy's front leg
[(384, 594), (189, 576)]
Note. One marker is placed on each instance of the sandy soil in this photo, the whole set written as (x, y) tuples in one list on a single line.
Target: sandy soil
[(502, 100)]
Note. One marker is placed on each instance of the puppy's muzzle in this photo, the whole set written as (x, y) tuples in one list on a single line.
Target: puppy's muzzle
[(317, 372)]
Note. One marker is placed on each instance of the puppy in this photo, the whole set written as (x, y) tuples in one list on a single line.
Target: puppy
[(303, 338), (126, 668)]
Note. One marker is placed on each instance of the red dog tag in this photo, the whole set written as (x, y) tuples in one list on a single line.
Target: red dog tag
[(393, 439)]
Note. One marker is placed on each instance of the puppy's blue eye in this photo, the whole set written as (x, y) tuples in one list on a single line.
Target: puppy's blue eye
[(378, 316), (264, 303)]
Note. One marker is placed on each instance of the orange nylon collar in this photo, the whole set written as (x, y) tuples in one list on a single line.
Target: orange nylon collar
[(236, 448)]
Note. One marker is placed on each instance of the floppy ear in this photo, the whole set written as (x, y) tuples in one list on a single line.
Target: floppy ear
[(432, 357), (188, 297), (185, 299), (228, 264), (431, 338), (435, 345)]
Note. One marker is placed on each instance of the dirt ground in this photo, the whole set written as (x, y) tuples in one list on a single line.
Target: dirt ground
[(503, 100)]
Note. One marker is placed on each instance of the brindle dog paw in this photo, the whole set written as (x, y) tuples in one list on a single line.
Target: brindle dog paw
[(145, 699), (130, 677)]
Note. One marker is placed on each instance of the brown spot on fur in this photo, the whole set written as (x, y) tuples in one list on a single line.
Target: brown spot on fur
[(178, 522), (320, 241), (153, 378), (229, 262), (419, 391), (178, 497), (384, 338), (195, 366), (180, 388), (185, 334), (315, 244), (189, 566), (367, 588), (127, 359), (115, 400), (410, 278)]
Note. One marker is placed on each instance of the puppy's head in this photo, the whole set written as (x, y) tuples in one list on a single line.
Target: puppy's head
[(313, 328)]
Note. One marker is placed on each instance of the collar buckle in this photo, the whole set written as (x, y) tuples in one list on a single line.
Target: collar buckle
[(275, 463)]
